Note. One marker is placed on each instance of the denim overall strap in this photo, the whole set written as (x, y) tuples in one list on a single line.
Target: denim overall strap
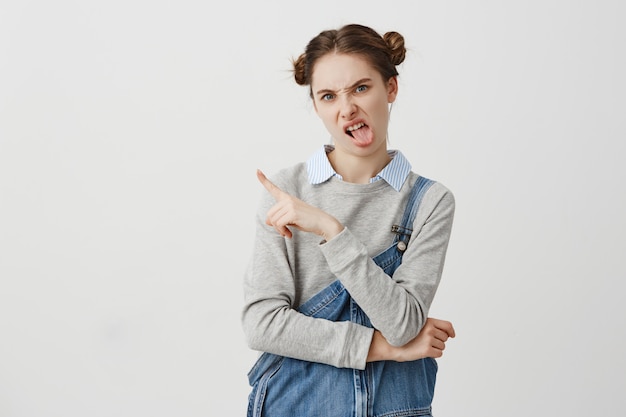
[(391, 257), (403, 230), (285, 386)]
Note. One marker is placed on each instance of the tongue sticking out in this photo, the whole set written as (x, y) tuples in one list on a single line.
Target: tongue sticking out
[(363, 136)]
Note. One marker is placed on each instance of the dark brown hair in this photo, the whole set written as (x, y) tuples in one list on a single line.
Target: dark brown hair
[(382, 52)]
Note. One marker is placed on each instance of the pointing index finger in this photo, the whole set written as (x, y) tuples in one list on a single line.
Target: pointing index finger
[(276, 192)]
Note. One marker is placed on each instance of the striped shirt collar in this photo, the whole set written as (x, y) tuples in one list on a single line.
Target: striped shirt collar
[(395, 173)]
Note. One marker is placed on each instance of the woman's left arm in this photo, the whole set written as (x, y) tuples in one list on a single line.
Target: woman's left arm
[(398, 307)]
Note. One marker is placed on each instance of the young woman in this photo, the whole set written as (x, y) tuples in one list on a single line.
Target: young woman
[(349, 251)]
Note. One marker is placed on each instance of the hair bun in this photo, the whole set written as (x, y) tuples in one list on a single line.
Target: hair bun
[(299, 69), (395, 43)]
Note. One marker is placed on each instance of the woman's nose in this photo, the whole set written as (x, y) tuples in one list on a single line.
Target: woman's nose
[(348, 108)]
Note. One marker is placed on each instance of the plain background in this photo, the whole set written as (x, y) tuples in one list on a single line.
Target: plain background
[(130, 132)]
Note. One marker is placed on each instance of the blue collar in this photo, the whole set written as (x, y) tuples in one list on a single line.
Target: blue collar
[(395, 173)]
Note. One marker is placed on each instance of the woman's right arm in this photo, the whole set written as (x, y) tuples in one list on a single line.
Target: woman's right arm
[(270, 321)]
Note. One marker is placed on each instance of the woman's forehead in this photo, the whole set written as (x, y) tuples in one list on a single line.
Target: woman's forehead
[(339, 71)]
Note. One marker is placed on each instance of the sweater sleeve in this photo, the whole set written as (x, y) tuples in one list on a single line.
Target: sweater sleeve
[(272, 324), (398, 307)]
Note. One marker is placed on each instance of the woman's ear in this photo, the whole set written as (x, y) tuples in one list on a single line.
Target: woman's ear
[(392, 89)]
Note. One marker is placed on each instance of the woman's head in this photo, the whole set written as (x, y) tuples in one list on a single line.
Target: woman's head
[(382, 52), (351, 74)]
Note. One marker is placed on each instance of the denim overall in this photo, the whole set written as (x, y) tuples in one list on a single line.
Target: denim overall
[(285, 387)]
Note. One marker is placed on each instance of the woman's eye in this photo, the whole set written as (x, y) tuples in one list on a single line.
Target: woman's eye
[(327, 97), (361, 88)]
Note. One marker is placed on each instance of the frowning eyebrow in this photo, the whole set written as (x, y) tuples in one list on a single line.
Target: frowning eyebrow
[(356, 84)]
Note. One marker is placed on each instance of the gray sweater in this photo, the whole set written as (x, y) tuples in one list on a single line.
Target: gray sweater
[(284, 273)]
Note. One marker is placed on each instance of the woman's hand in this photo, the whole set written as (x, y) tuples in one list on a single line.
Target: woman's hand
[(291, 211), (429, 343)]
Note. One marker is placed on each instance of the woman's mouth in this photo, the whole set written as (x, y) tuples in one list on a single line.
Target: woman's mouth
[(352, 128), (361, 134)]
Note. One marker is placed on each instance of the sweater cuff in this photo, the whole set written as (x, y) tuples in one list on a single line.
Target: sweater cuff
[(359, 348), (342, 251)]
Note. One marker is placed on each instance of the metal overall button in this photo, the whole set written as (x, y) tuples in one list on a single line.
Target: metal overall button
[(401, 246)]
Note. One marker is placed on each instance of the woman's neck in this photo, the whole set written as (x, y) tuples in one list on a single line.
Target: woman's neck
[(358, 169)]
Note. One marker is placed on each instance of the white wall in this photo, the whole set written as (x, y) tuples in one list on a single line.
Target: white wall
[(130, 132)]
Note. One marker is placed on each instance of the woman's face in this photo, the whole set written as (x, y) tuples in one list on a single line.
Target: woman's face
[(351, 98)]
